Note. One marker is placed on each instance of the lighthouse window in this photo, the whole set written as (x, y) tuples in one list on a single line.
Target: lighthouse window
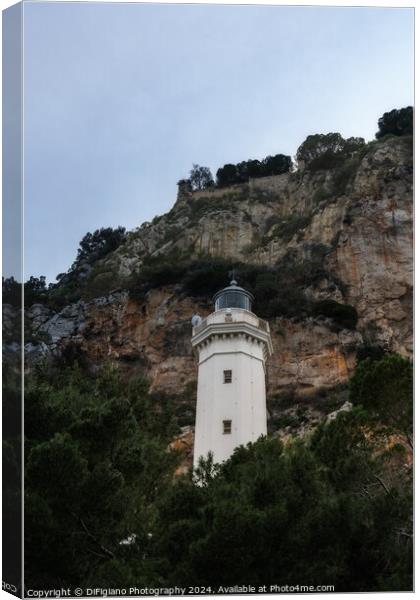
[(227, 376), (227, 426)]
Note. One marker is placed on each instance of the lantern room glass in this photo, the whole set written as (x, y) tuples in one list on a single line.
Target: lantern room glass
[(233, 299)]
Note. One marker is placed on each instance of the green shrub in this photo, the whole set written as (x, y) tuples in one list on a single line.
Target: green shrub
[(272, 220), (288, 302), (328, 160), (320, 195), (171, 234), (99, 284), (286, 421), (344, 175), (278, 290), (98, 244), (157, 272), (62, 294), (385, 388), (327, 151), (396, 122), (372, 351), (305, 272), (231, 174), (11, 291), (344, 315), (282, 401), (287, 228), (206, 277), (276, 512), (203, 205), (156, 219)]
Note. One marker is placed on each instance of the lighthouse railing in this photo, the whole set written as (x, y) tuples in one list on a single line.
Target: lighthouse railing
[(263, 325), (236, 316)]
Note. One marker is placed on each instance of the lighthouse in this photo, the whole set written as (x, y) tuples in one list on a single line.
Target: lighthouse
[(232, 346)]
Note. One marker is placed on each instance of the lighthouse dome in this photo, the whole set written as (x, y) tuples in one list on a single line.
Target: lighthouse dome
[(233, 296)]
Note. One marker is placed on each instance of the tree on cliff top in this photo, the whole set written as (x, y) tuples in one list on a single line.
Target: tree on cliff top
[(253, 169), (277, 164), (201, 178), (94, 246), (227, 175), (396, 122), (323, 148)]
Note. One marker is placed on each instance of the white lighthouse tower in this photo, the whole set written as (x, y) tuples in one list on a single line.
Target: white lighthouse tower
[(232, 345)]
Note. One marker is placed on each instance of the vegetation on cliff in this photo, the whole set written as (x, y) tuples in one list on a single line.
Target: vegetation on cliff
[(330, 164), (278, 290), (319, 151), (396, 122), (326, 151), (313, 513), (96, 463), (385, 388), (92, 248), (231, 174), (103, 509)]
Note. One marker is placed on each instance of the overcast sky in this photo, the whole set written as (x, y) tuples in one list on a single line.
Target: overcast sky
[(120, 100)]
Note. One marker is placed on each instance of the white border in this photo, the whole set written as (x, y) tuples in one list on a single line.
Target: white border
[(338, 3)]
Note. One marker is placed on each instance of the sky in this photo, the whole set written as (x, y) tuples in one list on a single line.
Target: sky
[(121, 99)]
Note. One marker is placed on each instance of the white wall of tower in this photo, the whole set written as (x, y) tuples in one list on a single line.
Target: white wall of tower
[(243, 402)]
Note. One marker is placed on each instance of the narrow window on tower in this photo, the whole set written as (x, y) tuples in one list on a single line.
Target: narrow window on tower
[(227, 426), (227, 376)]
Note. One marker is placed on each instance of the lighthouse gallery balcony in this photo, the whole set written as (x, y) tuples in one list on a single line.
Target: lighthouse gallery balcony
[(232, 321), (232, 315)]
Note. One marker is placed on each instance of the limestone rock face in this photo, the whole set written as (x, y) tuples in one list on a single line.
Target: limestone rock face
[(38, 314), (361, 216), (65, 323), (154, 338), (373, 255), (308, 355)]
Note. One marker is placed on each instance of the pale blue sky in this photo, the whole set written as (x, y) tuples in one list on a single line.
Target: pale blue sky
[(121, 99)]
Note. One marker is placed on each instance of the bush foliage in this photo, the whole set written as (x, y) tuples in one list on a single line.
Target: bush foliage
[(384, 386), (343, 315), (287, 228), (201, 178), (327, 151), (103, 507), (396, 122), (96, 461), (231, 174), (35, 291), (278, 290)]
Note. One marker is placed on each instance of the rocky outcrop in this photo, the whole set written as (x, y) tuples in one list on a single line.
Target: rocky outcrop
[(359, 215), (154, 338)]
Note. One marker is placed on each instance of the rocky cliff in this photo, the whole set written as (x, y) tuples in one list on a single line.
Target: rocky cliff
[(352, 224)]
